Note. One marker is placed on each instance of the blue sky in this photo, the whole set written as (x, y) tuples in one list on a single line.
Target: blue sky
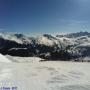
[(44, 16)]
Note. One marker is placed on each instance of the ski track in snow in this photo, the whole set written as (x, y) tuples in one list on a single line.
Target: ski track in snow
[(48, 75)]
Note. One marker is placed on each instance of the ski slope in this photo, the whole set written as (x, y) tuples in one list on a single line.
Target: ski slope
[(49, 75)]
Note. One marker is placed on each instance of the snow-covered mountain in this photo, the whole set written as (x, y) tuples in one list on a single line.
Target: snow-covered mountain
[(19, 38), (46, 46)]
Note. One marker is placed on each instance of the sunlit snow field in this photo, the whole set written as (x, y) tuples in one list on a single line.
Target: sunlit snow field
[(49, 75)]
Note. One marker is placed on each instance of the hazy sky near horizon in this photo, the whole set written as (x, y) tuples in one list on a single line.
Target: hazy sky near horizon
[(44, 16)]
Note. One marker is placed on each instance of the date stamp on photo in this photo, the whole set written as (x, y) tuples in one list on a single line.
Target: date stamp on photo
[(8, 88)]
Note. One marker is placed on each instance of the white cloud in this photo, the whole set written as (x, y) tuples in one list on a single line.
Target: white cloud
[(73, 21)]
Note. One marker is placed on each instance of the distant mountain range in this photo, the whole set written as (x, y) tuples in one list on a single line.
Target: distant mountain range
[(59, 47), (75, 35)]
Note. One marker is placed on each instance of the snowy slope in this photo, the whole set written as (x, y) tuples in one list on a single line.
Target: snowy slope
[(47, 40), (4, 59), (46, 75), (23, 59)]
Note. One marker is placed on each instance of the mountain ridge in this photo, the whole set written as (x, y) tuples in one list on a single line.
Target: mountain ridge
[(66, 47)]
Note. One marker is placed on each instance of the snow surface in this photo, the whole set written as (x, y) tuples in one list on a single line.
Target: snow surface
[(47, 41), (23, 59), (49, 75), (4, 59)]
